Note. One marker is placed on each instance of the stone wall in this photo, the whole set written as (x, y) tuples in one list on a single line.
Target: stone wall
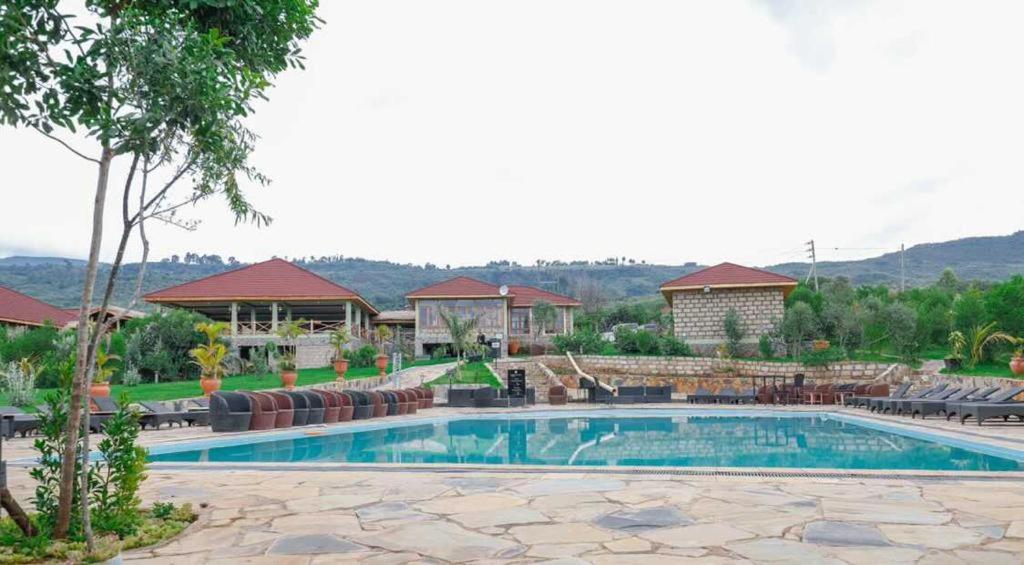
[(699, 316), (492, 317), (311, 351), (538, 376), (686, 374)]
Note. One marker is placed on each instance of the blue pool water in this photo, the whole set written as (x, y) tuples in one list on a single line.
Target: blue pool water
[(805, 441)]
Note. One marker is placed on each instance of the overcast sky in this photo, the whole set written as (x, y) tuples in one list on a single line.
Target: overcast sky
[(460, 132)]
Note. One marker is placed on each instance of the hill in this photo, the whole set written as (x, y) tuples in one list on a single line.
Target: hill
[(58, 281)]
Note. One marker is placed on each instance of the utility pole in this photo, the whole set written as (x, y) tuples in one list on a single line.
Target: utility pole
[(814, 265), (903, 268)]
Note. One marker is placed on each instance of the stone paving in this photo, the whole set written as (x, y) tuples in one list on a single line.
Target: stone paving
[(483, 516)]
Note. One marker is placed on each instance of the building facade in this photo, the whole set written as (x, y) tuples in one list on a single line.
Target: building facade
[(701, 300), (20, 311), (255, 300), (501, 313)]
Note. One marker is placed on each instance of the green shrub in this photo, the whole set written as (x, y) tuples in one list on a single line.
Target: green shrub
[(765, 346), (734, 332), (671, 346), (584, 342), (117, 478), (824, 357), (365, 356)]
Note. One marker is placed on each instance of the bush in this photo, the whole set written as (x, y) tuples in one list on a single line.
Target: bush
[(671, 346), (158, 345), (765, 346), (365, 356), (642, 342), (117, 478), (824, 357), (19, 382), (798, 324), (583, 342), (734, 332)]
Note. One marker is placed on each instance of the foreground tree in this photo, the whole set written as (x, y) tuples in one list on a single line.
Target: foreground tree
[(164, 84)]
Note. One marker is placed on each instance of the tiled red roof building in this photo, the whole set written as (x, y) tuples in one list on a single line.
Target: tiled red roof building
[(17, 309)]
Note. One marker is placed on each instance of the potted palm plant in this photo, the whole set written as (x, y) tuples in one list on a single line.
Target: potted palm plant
[(339, 339), (101, 378), (383, 335), (955, 360), (1017, 362), (210, 356), (290, 332)]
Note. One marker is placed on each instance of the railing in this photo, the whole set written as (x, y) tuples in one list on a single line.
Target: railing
[(313, 327)]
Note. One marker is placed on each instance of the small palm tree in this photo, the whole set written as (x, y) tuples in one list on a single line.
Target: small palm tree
[(339, 339), (982, 336), (461, 331), (103, 372)]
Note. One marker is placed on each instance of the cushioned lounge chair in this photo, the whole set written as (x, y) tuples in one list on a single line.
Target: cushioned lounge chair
[(876, 392), (883, 405), (332, 405), (300, 407), (264, 411), (700, 396), (158, 414), (285, 416), (1000, 404), (558, 395), (315, 403), (657, 395), (347, 408), (899, 407), (230, 411), (19, 422), (428, 394), (459, 398), (726, 395), (101, 409), (414, 400), (380, 406), (421, 398), (391, 399), (195, 411), (924, 408), (363, 409)]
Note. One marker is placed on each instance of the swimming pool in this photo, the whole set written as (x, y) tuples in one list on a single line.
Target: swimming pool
[(647, 438)]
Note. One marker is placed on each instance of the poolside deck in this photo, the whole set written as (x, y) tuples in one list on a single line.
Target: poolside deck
[(321, 516)]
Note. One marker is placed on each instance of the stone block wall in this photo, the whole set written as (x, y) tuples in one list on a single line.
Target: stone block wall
[(699, 316)]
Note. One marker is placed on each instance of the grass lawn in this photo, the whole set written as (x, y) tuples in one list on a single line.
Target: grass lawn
[(997, 369), (175, 390), (471, 374)]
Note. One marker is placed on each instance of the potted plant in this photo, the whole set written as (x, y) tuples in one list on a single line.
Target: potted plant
[(290, 332), (339, 339), (383, 335), (957, 342), (821, 344), (210, 356), (1017, 362), (101, 378), (513, 347)]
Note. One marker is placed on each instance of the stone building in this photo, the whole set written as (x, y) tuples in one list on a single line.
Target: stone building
[(701, 300), (256, 299), (502, 312)]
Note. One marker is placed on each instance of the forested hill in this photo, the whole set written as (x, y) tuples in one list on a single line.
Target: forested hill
[(58, 280)]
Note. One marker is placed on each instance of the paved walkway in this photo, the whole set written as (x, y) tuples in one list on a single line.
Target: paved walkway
[(415, 376)]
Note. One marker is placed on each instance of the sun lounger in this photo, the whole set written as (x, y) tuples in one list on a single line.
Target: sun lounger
[(726, 396), (460, 398), (1000, 405), (300, 407), (19, 422), (953, 408), (230, 411), (285, 416), (924, 408), (558, 395), (158, 414), (194, 411), (876, 391), (902, 406), (884, 405), (700, 396)]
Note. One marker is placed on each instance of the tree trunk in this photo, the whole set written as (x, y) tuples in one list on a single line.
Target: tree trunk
[(67, 470), (12, 507)]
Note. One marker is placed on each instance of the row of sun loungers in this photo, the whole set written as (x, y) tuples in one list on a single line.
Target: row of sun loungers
[(726, 395), (242, 411), (963, 402), (487, 397)]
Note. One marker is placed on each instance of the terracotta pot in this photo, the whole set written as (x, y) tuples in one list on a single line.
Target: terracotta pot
[(513, 347), (382, 364), (341, 367), (821, 344), (99, 389), (1017, 366), (288, 379), (209, 385)]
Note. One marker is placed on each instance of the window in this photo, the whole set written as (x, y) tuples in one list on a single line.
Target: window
[(487, 312), (520, 321)]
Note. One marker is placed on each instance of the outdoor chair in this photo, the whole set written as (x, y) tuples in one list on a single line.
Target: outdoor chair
[(421, 398), (315, 403), (403, 402), (361, 402), (230, 411), (332, 405), (999, 405), (347, 408), (429, 394), (300, 407), (630, 395), (855, 390), (391, 400), (101, 409), (883, 405), (195, 411), (876, 392), (19, 422), (158, 414), (903, 406), (285, 409), (700, 396), (264, 411), (765, 394), (414, 401), (967, 394), (558, 395), (380, 407), (460, 398), (657, 395)]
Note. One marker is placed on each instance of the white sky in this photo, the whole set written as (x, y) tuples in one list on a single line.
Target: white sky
[(460, 132)]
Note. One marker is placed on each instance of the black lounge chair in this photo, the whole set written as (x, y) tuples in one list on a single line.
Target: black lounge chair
[(657, 395), (700, 396), (230, 411), (726, 396), (924, 408), (18, 422), (999, 405), (196, 411), (316, 406), (460, 397), (158, 414), (362, 404), (391, 399), (865, 401), (884, 405), (300, 407), (902, 406)]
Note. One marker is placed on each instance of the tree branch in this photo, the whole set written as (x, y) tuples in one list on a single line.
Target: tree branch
[(65, 144)]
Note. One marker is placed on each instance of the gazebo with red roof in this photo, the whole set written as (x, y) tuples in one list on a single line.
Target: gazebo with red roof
[(22, 311), (503, 313), (701, 300), (255, 299)]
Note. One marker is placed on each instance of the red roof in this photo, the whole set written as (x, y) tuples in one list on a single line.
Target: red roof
[(275, 279), (459, 287), (728, 275), (18, 308), (525, 296)]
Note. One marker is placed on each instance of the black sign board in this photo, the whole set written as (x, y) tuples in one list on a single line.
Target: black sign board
[(517, 383)]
